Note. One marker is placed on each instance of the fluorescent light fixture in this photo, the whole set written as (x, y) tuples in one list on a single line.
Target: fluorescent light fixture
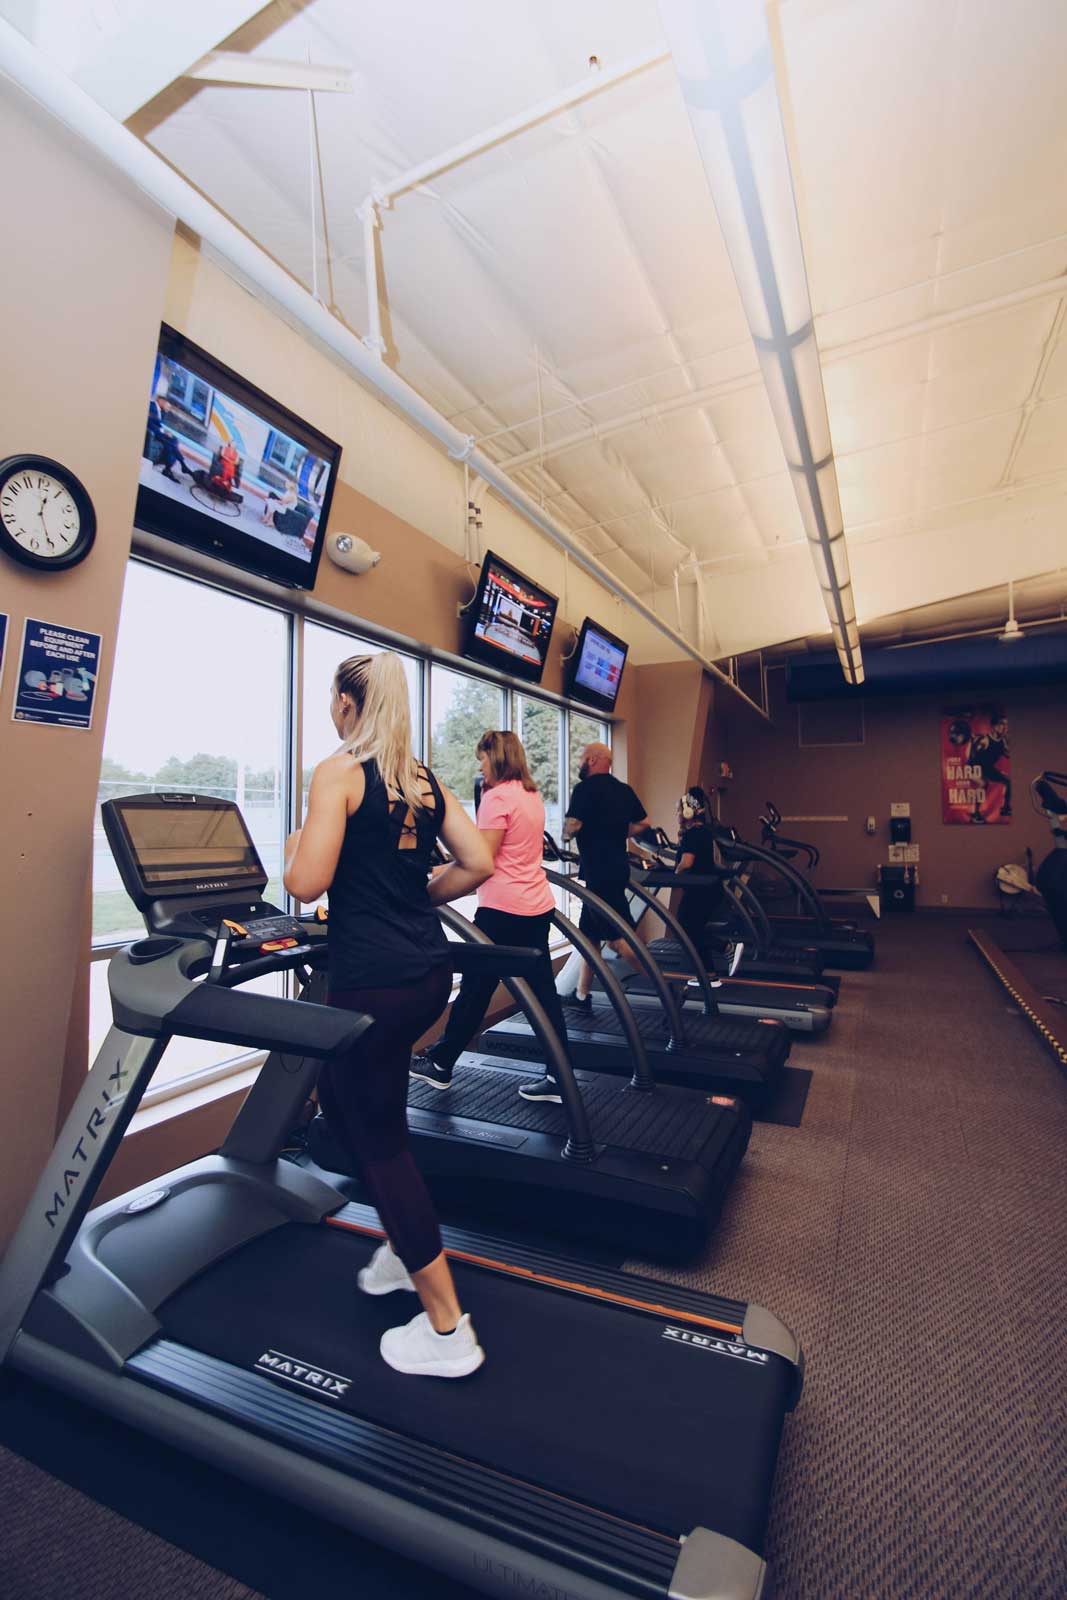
[(722, 55)]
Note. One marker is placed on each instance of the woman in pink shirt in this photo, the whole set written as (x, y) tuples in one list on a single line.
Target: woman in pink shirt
[(515, 907)]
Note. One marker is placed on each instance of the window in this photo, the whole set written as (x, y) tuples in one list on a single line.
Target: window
[(540, 727), (208, 715), (324, 650), (212, 714), (583, 730), (461, 710)]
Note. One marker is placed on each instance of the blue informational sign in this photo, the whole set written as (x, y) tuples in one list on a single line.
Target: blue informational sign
[(3, 638), (57, 675)]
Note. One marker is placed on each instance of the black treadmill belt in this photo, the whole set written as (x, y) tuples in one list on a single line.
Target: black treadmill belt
[(755, 1040), (668, 952), (588, 1402), (676, 1124)]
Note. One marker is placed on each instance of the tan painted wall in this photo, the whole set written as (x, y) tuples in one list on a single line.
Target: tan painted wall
[(899, 760), (670, 709), (84, 269)]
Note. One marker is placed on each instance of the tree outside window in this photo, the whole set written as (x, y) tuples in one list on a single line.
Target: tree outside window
[(461, 710)]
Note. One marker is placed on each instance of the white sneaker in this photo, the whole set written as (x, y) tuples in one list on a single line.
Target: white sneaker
[(735, 957), (418, 1349), (384, 1272)]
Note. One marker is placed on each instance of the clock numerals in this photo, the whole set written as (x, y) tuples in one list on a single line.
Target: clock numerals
[(46, 518)]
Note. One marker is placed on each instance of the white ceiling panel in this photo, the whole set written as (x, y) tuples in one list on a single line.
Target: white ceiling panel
[(571, 284), (1042, 449)]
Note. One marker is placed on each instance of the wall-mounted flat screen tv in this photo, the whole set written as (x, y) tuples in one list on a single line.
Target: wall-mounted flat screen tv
[(596, 666), (509, 621), (229, 471)]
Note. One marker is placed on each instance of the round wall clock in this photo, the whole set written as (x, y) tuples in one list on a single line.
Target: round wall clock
[(47, 519)]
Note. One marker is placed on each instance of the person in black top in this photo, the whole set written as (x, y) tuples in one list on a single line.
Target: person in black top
[(373, 815), (603, 815), (696, 855)]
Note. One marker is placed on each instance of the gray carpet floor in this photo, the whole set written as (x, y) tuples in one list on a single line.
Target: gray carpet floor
[(913, 1231)]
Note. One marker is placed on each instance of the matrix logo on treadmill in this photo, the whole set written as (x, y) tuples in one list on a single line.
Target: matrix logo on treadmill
[(330, 1385), (719, 1347)]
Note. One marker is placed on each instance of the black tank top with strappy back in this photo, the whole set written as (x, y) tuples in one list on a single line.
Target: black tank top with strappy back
[(383, 930)]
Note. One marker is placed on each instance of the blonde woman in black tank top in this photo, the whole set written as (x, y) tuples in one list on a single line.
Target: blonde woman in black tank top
[(373, 815)]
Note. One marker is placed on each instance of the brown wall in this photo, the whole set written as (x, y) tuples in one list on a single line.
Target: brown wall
[(81, 306), (899, 760), (670, 709)]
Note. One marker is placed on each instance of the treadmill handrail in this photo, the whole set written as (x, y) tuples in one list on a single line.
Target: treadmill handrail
[(626, 932), (160, 1000), (639, 885), (579, 1146), (643, 1076), (742, 850)]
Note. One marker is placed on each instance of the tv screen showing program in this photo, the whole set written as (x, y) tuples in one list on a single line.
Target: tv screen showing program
[(596, 666), (509, 621), (229, 471)]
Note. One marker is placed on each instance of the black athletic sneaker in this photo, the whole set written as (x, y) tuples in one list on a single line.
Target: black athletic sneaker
[(734, 952), (575, 1004), (545, 1088), (425, 1068)]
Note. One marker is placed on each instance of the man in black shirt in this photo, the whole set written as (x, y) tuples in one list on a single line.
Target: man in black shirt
[(602, 817)]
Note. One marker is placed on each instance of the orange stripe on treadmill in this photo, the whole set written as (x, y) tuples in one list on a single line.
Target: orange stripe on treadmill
[(559, 1283)]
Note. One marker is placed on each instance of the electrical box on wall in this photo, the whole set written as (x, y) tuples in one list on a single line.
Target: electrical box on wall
[(871, 825), (900, 830)]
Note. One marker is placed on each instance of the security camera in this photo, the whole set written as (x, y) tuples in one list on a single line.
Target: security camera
[(350, 552)]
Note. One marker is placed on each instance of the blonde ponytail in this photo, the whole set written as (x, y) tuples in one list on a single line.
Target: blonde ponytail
[(378, 689)]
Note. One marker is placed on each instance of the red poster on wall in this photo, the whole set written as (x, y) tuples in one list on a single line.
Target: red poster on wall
[(975, 765)]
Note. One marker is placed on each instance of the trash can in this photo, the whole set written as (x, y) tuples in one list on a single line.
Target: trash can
[(896, 887)]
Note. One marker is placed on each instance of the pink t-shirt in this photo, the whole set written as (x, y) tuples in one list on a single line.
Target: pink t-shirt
[(518, 884)]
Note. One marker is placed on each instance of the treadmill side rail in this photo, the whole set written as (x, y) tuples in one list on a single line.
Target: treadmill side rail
[(762, 1330), (713, 1567), (90, 1136)]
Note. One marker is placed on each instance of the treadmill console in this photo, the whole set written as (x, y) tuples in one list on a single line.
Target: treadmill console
[(190, 866)]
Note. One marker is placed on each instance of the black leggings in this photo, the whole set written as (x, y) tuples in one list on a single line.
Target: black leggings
[(503, 927), (364, 1095)]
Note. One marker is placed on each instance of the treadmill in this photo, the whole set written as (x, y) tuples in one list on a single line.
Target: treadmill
[(805, 857), (838, 944), (730, 1055), (659, 1163), (216, 1308), (802, 1008), (743, 917)]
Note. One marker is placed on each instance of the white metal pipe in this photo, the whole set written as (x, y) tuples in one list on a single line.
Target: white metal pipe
[(373, 340), (584, 89), (31, 71), (630, 419)]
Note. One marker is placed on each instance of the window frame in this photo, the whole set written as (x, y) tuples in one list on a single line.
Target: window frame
[(149, 552)]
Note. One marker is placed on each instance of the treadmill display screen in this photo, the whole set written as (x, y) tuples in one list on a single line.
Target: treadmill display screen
[(173, 844)]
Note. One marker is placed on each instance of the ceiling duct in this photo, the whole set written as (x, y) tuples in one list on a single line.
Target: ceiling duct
[(951, 664), (722, 55)]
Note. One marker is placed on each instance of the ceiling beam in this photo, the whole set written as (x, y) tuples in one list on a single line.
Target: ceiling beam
[(255, 72), (151, 45)]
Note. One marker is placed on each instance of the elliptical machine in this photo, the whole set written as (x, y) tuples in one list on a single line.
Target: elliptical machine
[(1048, 793)]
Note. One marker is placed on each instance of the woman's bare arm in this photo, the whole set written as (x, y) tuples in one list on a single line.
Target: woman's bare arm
[(472, 859), (312, 853)]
